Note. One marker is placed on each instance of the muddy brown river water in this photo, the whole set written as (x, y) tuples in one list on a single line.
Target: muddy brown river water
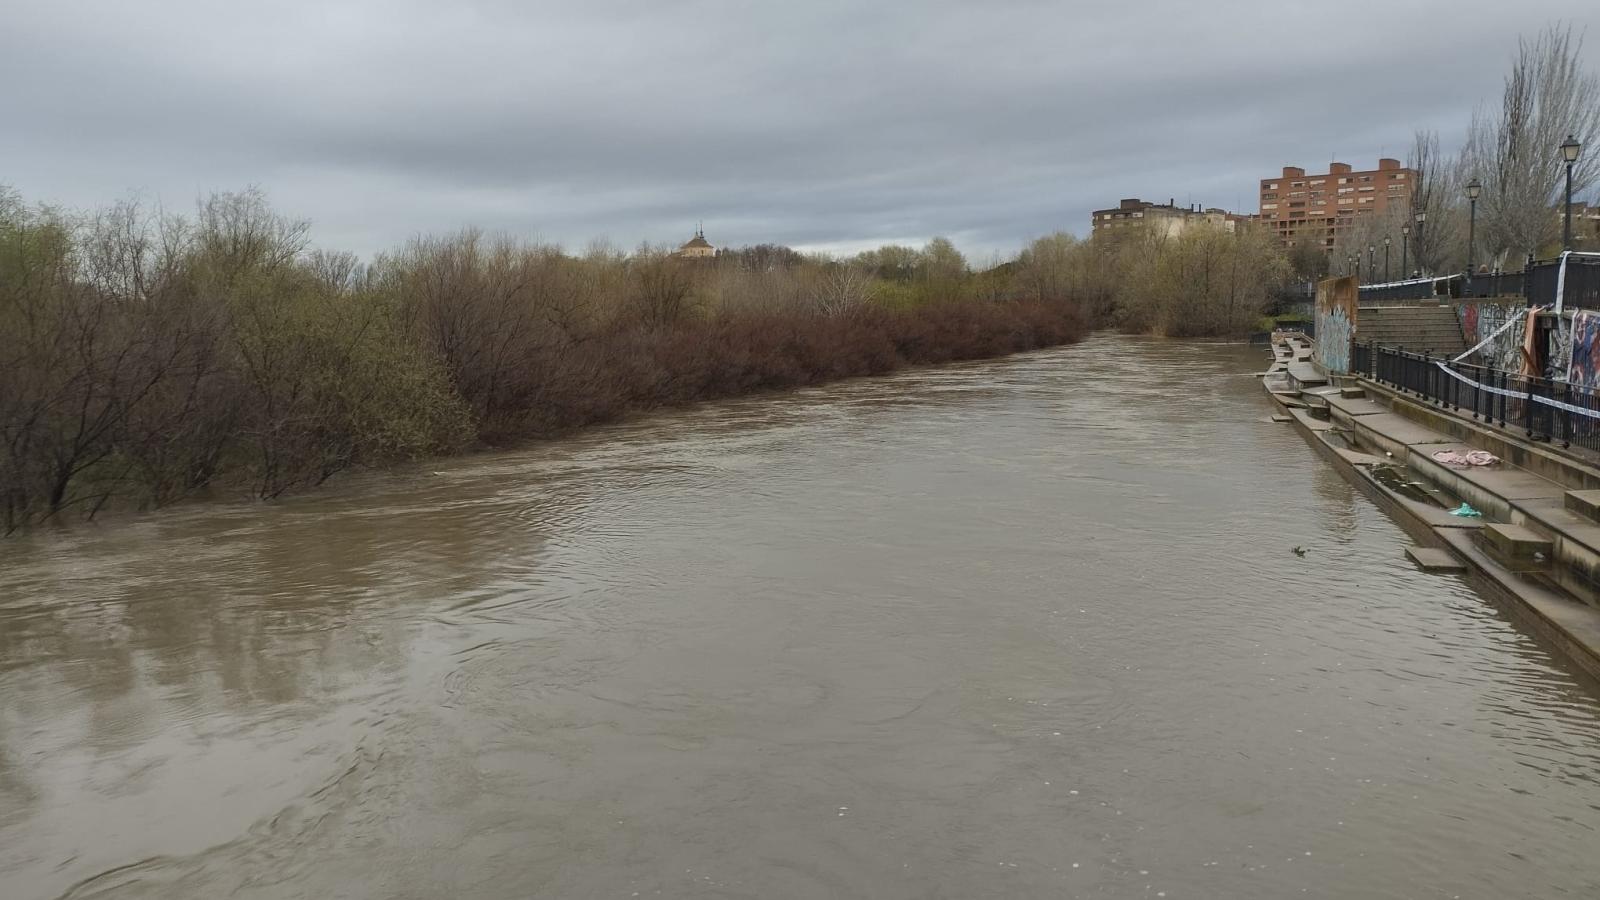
[(1020, 628)]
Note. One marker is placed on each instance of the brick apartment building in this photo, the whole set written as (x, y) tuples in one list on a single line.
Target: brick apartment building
[(1300, 207), (1168, 218)]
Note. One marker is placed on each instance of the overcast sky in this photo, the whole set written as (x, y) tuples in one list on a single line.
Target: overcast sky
[(814, 123)]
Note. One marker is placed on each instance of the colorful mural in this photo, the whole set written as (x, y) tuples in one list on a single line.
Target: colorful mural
[(1336, 323), (1584, 368)]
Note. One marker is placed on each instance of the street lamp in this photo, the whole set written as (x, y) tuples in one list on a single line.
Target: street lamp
[(1569, 152), (1405, 250), (1386, 240), (1372, 263), (1474, 188), (1422, 219)]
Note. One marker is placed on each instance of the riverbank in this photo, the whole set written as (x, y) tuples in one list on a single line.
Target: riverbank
[(1534, 548), (618, 372)]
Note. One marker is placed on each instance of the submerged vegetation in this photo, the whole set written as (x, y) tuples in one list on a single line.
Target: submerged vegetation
[(148, 357)]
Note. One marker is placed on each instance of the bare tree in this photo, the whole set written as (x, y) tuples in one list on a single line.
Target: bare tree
[(663, 286), (1437, 244), (1046, 268), (1365, 237), (842, 289), (1513, 151)]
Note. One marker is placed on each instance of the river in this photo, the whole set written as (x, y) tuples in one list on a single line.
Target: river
[(1028, 627)]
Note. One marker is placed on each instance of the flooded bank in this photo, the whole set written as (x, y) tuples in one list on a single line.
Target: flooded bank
[(1024, 627)]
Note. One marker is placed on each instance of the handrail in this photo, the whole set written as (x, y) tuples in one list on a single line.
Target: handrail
[(1543, 408)]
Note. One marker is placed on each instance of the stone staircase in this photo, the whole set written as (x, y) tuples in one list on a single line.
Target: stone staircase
[(1428, 327)]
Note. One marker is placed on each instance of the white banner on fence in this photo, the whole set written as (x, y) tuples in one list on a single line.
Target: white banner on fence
[(1519, 395)]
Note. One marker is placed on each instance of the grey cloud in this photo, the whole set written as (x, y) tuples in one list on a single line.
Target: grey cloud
[(819, 124)]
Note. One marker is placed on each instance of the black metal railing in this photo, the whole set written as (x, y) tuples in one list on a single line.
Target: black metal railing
[(1542, 409), (1412, 289), (1582, 287), (1536, 284), (1497, 284)]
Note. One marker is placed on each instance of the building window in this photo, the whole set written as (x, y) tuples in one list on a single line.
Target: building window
[(1344, 200), (1297, 184), (1398, 176), (1366, 178), (1269, 196), (1344, 181), (1317, 182), (1273, 186), (1138, 215), (1269, 206)]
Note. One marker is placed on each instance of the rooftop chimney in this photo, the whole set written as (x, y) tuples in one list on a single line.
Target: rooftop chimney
[(1293, 172), (1387, 163), (1338, 168)]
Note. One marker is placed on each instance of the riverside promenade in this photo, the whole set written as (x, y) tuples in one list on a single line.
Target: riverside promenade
[(1533, 546)]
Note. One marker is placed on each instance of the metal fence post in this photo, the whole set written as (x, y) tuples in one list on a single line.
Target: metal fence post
[(1527, 409), (1567, 415), (1501, 399)]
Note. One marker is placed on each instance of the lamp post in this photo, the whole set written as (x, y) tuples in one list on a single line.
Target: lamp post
[(1405, 250), (1422, 219), (1385, 258), (1474, 188), (1372, 263), (1352, 265), (1569, 152)]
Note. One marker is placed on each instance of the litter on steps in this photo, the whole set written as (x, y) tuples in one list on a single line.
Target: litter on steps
[(1463, 460), (1466, 512)]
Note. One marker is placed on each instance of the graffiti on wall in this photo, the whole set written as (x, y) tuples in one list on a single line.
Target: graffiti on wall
[(1336, 323), (1584, 368), (1559, 352), (1479, 320), (1333, 340)]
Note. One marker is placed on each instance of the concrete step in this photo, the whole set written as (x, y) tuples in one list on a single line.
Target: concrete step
[(1352, 393), (1305, 374), (1584, 503), (1420, 328), (1429, 559), (1516, 542)]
